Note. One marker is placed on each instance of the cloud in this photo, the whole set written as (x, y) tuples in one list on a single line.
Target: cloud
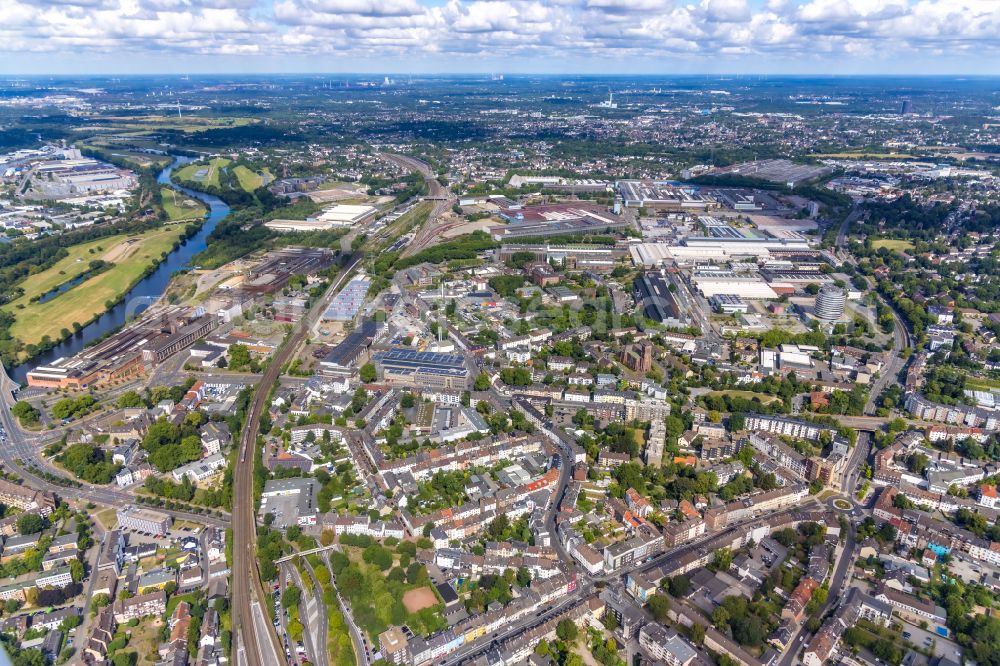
[(462, 31)]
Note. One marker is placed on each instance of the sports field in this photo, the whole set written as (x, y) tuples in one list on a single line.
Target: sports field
[(418, 599), (206, 175), (888, 243), (180, 206), (131, 254)]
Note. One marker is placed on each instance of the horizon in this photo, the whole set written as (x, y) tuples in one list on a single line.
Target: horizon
[(719, 76)]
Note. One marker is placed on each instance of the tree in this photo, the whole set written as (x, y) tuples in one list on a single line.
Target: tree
[(239, 356), (723, 559), (30, 523), (697, 633), (659, 606), (482, 382), (30, 657), (566, 631), (100, 601), (523, 577), (76, 570), (368, 373), (917, 463), (291, 597), (679, 586), (129, 400), (125, 658), (27, 414), (498, 527)]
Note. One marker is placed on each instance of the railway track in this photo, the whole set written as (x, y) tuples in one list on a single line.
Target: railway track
[(247, 583)]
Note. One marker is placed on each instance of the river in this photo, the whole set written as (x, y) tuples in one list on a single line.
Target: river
[(149, 288)]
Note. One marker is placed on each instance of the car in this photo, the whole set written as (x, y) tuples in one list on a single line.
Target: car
[(906, 634)]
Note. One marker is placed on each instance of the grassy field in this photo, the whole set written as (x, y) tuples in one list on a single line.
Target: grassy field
[(981, 384), (108, 518), (130, 254), (212, 178), (747, 395), (180, 206), (898, 245), (861, 153), (183, 123), (249, 180)]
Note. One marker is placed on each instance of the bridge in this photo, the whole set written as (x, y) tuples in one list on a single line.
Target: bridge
[(311, 551)]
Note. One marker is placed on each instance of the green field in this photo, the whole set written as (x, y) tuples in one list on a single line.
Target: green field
[(747, 395), (897, 245), (173, 122), (131, 255), (179, 206), (981, 384), (211, 178), (249, 180), (862, 154)]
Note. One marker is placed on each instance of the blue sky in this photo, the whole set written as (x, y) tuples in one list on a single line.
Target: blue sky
[(554, 36)]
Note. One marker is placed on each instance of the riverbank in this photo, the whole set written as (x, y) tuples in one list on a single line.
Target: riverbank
[(132, 258), (136, 291)]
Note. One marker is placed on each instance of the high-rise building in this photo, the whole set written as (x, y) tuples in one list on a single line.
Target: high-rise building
[(830, 302)]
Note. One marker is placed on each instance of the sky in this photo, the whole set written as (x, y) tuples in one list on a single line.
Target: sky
[(500, 36)]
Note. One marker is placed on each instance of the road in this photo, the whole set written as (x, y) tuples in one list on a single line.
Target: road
[(565, 452), (895, 364), (838, 585), (316, 617), (848, 221), (900, 334), (470, 650)]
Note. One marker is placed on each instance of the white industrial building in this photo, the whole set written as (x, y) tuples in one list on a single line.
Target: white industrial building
[(743, 285), (337, 215)]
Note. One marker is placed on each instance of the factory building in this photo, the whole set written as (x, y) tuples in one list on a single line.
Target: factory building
[(422, 369)]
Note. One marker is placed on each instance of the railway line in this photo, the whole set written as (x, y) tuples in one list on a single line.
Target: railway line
[(248, 594)]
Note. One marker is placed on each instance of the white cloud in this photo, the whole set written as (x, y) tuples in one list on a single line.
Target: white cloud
[(696, 31)]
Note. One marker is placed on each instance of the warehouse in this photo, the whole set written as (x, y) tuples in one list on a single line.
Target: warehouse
[(337, 215), (653, 294), (345, 305), (527, 223), (662, 196), (743, 285), (346, 355), (729, 304)]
